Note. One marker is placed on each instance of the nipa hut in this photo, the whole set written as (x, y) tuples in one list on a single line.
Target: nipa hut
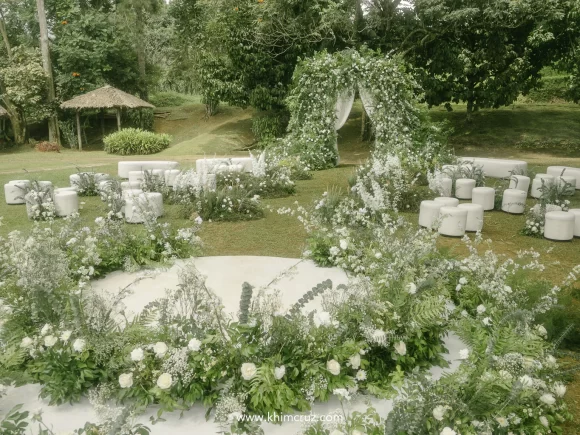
[(106, 97)]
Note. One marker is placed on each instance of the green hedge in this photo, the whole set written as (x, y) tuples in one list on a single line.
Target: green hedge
[(135, 141)]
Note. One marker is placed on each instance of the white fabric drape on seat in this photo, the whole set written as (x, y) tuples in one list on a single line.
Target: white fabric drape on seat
[(343, 106)]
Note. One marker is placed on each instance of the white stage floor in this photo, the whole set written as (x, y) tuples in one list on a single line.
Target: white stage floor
[(225, 276)]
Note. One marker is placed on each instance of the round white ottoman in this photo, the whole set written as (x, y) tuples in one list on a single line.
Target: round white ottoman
[(520, 182), (429, 213), (576, 213), (539, 181), (46, 185), (559, 225), (446, 186), (102, 185), (66, 203), (131, 193), (514, 201), (474, 216), (464, 188), (170, 176), (100, 176), (484, 196), (152, 201), (126, 185), (453, 221), (447, 201), (75, 179), (65, 189), (567, 181), (133, 210), (15, 190), (136, 176)]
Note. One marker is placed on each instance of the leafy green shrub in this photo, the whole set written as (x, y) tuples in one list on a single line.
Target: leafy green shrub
[(167, 99), (135, 141)]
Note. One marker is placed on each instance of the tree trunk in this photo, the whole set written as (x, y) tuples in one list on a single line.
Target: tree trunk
[(53, 135), (141, 60), (18, 128), (470, 110), (79, 135)]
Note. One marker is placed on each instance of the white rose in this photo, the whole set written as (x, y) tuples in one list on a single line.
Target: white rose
[(45, 329), (79, 345), (486, 321), (462, 280), (480, 309), (464, 354), (126, 380), (447, 431), (361, 375), (65, 336), (248, 371), (26, 342), (137, 354), (439, 412), (544, 421), (50, 340), (559, 389), (548, 399), (542, 332), (355, 361), (412, 288), (401, 348), (333, 367), (279, 372), (164, 381), (160, 349), (194, 345), (502, 421), (526, 381), (343, 244)]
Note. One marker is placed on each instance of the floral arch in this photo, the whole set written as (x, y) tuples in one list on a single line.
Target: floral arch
[(323, 95)]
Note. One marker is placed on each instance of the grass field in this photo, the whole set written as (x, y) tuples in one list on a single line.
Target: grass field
[(507, 132)]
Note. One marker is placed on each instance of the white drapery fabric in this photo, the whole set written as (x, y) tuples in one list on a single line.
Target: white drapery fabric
[(343, 107), (367, 100)]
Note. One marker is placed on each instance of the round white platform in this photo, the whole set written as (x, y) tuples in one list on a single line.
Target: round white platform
[(225, 276)]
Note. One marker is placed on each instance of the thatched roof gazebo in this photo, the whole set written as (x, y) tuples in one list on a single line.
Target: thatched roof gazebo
[(106, 97)]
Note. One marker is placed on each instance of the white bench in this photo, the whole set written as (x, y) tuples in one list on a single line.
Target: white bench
[(125, 167), (569, 171), (212, 166), (497, 168)]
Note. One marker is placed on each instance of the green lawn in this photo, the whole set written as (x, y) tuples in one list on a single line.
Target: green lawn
[(492, 133)]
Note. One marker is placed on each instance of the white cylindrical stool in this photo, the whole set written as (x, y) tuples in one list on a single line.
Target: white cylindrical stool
[(453, 221), (15, 190), (568, 182), (474, 216), (539, 181), (520, 182), (514, 201), (576, 213), (559, 225), (65, 189), (429, 213), (126, 185), (484, 196), (464, 188), (152, 201), (136, 176), (133, 210), (170, 176), (131, 193), (447, 202), (66, 203)]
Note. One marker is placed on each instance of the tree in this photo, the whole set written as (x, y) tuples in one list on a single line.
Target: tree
[(53, 135), (482, 52)]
